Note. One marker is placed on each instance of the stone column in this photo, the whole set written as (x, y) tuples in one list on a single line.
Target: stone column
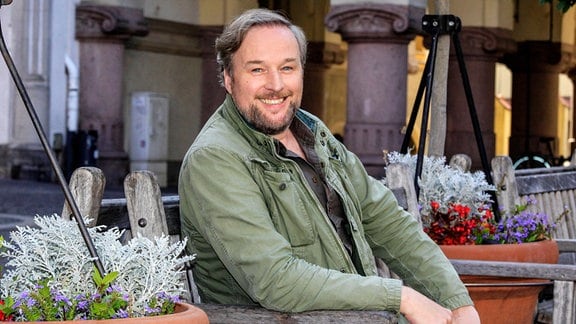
[(378, 37), (572, 75), (535, 68), (317, 80), (481, 47), (213, 93), (102, 32)]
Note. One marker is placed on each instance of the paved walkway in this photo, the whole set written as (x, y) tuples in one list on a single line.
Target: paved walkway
[(21, 200)]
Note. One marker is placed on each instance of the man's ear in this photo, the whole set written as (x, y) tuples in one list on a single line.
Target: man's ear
[(227, 81)]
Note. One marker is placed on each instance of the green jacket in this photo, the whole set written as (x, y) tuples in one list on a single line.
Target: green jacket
[(261, 236)]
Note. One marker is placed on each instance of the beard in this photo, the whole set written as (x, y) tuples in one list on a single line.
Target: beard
[(262, 123)]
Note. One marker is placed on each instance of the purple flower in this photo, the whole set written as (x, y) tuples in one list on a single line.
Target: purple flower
[(121, 313), (59, 297), (524, 225), (114, 288), (151, 310)]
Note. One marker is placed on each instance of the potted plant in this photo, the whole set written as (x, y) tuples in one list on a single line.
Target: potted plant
[(456, 212), (49, 276)]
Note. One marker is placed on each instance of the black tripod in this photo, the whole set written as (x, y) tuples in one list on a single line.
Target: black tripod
[(437, 25)]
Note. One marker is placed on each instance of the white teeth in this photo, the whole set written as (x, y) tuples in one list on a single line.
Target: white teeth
[(272, 101)]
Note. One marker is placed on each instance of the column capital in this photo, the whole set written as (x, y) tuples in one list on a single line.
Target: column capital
[(96, 21), (370, 22), (541, 56), (486, 42)]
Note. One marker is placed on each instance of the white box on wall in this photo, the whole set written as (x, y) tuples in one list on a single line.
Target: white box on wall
[(149, 134)]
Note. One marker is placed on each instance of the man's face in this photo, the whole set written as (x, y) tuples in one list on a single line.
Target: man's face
[(267, 78)]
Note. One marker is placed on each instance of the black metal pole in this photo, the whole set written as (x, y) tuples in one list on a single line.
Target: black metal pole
[(474, 117), (415, 109), (425, 113), (51, 156)]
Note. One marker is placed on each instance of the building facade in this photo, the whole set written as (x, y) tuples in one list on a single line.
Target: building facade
[(127, 84)]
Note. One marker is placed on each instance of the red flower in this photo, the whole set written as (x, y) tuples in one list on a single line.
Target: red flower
[(458, 225), (3, 316)]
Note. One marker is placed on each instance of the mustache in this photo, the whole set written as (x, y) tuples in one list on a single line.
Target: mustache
[(275, 95)]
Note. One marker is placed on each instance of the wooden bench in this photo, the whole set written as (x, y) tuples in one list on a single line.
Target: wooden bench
[(145, 211)]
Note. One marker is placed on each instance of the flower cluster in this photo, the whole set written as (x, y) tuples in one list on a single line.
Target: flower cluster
[(456, 224), (44, 303), (455, 207), (524, 225), (50, 277)]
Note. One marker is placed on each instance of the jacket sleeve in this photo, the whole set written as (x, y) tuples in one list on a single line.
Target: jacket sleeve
[(220, 199), (396, 238)]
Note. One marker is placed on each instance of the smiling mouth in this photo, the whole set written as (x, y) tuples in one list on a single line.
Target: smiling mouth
[(273, 101)]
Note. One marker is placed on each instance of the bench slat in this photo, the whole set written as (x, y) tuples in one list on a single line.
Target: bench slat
[(563, 311), (253, 314), (516, 269), (546, 182)]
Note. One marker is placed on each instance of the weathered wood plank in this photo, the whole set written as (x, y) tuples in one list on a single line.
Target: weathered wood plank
[(145, 208), (562, 179), (516, 269), (251, 314), (505, 182), (566, 245), (87, 187), (399, 179), (563, 311), (554, 169)]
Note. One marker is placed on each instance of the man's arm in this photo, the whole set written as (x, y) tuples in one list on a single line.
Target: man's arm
[(399, 240)]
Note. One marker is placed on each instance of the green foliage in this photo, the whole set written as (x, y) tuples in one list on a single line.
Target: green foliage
[(563, 5)]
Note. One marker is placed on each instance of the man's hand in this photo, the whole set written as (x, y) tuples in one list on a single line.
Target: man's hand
[(465, 315), (418, 308)]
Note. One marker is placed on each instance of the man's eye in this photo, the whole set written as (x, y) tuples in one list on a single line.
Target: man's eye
[(288, 68), (257, 70)]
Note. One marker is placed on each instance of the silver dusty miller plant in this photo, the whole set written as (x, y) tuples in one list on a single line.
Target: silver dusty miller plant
[(55, 251), (444, 184)]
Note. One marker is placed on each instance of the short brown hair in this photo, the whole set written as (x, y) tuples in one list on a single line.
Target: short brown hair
[(234, 33)]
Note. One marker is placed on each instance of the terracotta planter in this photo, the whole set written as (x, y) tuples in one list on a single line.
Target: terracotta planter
[(505, 300), (184, 313)]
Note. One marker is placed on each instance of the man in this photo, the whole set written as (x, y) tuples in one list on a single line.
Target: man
[(280, 214)]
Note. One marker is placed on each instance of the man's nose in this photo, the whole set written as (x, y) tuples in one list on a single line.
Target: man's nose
[(274, 81)]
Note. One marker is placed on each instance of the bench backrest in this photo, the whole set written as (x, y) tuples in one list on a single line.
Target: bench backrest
[(145, 211), (553, 189)]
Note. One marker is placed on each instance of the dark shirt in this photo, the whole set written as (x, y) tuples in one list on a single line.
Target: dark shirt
[(313, 172)]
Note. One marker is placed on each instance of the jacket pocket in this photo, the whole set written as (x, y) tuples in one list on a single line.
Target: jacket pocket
[(287, 208)]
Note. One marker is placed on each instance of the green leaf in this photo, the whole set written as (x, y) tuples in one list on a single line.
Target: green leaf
[(110, 277), (96, 276)]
